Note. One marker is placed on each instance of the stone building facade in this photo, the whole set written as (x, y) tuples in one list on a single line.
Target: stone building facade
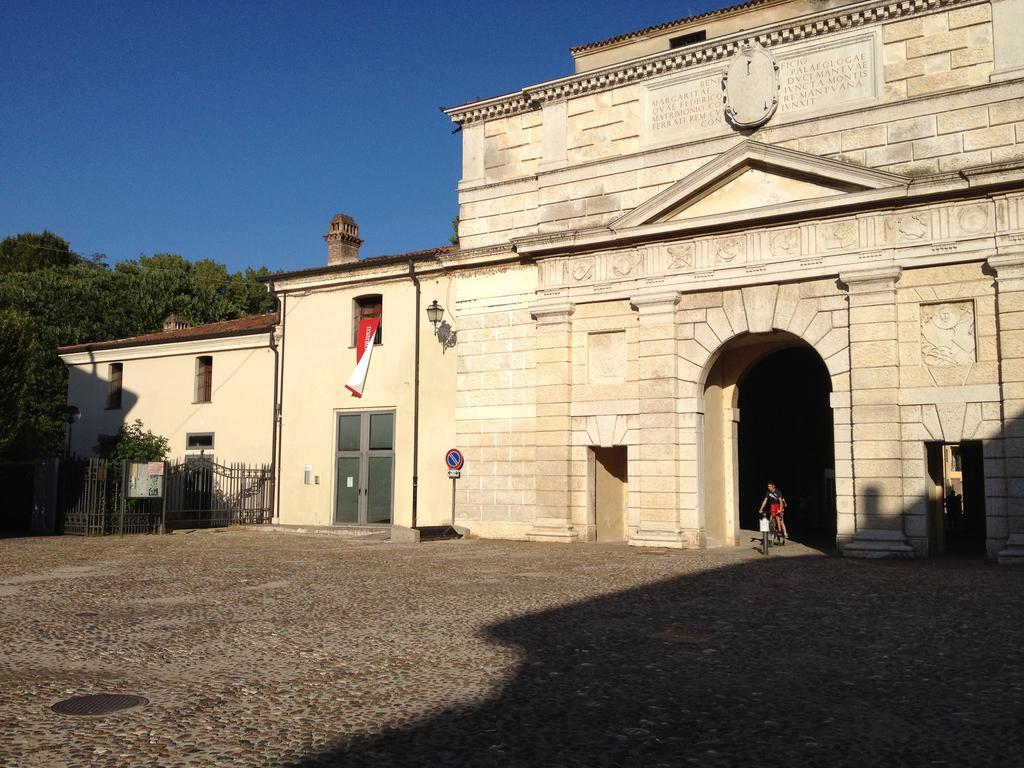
[(842, 178), (780, 241)]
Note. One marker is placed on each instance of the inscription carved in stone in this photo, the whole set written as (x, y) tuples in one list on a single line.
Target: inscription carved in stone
[(947, 333), (812, 79), (751, 86), (685, 107), (825, 77)]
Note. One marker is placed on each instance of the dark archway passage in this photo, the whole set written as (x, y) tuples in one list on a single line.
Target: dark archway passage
[(785, 435)]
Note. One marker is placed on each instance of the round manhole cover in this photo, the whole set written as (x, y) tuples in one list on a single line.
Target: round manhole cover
[(98, 704)]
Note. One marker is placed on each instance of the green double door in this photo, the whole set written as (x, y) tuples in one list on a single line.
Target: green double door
[(364, 468)]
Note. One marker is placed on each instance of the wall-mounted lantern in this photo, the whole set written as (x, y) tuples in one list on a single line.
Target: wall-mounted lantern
[(445, 334)]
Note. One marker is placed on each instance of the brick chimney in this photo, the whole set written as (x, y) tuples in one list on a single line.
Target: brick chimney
[(176, 323), (342, 240)]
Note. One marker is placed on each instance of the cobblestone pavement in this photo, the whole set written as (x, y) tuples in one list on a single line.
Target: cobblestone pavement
[(268, 649)]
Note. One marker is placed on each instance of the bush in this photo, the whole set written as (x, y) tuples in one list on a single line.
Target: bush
[(133, 443)]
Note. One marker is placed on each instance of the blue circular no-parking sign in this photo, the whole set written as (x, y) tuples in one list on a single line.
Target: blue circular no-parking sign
[(454, 459)]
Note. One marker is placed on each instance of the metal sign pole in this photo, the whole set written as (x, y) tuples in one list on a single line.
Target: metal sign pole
[(454, 481), (163, 502)]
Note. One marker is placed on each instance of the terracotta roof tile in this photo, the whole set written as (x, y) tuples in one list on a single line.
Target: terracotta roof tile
[(239, 327), (660, 27), (367, 262)]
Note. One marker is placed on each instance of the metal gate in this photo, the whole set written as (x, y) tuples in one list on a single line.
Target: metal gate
[(204, 494), (198, 493), (92, 501)]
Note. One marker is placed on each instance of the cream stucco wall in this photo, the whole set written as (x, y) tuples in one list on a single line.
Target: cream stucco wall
[(318, 358), (159, 388)]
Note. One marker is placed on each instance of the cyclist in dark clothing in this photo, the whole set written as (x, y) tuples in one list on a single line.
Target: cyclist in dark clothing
[(776, 504)]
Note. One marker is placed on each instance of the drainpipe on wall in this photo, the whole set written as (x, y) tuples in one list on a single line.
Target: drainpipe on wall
[(275, 442), (416, 398)]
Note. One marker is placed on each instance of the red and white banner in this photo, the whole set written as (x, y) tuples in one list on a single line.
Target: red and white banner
[(364, 348)]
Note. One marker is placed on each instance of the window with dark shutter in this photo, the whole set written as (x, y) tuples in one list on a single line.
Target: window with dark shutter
[(367, 308), (204, 379), (114, 386)]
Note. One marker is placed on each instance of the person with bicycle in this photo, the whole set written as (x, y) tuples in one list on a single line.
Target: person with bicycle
[(776, 504)]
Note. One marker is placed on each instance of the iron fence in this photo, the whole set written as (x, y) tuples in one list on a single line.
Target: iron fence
[(93, 499), (204, 494)]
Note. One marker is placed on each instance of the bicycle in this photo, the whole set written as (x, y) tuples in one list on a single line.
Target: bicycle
[(778, 537)]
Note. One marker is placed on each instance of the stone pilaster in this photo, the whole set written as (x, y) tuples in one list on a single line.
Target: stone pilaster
[(1009, 269), (655, 468), (1007, 45), (553, 430), (875, 415)]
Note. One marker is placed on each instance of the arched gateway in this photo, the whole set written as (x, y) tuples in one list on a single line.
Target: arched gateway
[(768, 417)]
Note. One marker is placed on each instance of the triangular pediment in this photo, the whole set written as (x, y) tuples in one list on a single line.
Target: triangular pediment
[(754, 176)]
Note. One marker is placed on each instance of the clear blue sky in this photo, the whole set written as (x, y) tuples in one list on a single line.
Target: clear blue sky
[(234, 131)]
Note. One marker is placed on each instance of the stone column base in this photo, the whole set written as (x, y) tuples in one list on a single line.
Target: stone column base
[(878, 544), (1013, 552), (552, 529), (675, 538)]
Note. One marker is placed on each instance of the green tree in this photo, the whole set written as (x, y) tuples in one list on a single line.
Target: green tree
[(30, 251), (69, 300), (17, 357), (133, 442)]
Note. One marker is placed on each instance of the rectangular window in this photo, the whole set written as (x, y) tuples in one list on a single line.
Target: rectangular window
[(684, 40), (368, 308), (114, 387), (199, 441), (204, 379)]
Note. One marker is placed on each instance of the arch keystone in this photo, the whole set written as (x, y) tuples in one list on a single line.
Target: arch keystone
[(759, 304)]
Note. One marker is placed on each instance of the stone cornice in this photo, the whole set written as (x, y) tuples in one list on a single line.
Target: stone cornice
[(617, 75), (871, 278), (655, 299), (552, 312), (919, 191)]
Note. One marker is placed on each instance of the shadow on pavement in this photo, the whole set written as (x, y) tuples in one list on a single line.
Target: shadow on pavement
[(781, 661)]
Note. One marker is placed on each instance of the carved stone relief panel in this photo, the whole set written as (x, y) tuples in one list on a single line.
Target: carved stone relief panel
[(606, 357), (751, 85), (947, 334), (784, 243), (681, 256), (622, 264), (865, 236), (582, 270), (910, 227), (972, 219), (729, 250), (837, 235)]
